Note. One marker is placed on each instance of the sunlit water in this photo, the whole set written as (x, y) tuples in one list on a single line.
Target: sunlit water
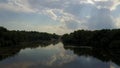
[(53, 56)]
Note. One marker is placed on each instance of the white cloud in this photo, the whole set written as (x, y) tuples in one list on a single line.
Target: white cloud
[(74, 14), (117, 20), (16, 5), (115, 4), (51, 14)]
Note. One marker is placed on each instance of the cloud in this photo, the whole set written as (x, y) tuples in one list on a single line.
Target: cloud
[(72, 25), (50, 29), (16, 6), (51, 14), (116, 11), (73, 14), (101, 19)]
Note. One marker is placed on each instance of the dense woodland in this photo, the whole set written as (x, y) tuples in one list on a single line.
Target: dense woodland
[(14, 38), (106, 38)]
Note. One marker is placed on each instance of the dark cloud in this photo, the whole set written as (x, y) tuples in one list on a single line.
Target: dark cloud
[(41, 4), (101, 19), (80, 11), (3, 1), (104, 4), (72, 25)]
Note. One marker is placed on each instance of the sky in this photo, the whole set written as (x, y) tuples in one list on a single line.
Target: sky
[(59, 16)]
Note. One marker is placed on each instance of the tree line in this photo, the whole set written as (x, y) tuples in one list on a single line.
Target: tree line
[(106, 38), (12, 38)]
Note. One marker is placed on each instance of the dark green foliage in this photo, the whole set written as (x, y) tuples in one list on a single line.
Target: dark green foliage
[(100, 38), (2, 29), (10, 38)]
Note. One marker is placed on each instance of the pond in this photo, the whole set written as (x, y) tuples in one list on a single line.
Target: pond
[(59, 56)]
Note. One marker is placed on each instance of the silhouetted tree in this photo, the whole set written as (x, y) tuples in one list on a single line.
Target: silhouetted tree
[(12, 38), (105, 38)]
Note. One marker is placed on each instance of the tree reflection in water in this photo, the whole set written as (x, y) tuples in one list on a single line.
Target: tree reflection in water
[(105, 55), (6, 52)]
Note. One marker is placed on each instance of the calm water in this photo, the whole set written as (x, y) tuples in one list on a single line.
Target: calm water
[(57, 56)]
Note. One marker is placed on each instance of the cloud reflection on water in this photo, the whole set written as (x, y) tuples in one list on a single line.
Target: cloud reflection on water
[(51, 56)]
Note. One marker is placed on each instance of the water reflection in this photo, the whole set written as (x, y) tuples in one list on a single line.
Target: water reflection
[(105, 55), (58, 56)]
